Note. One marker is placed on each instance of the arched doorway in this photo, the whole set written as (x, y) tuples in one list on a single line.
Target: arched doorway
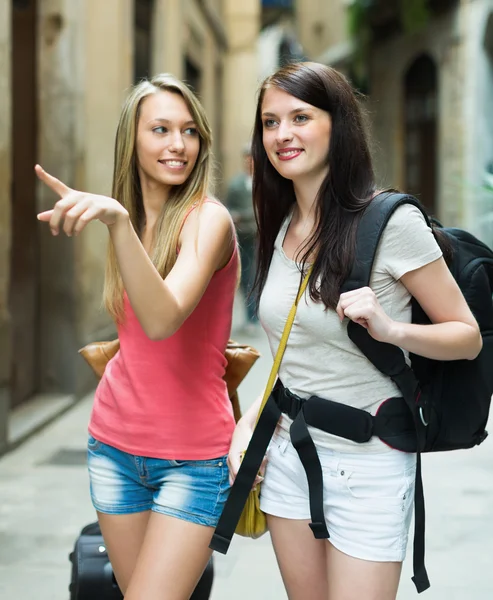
[(421, 100)]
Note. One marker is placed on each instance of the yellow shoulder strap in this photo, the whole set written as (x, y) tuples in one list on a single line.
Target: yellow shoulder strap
[(283, 343)]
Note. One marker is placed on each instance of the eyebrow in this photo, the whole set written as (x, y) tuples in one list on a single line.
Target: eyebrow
[(293, 112), (168, 122)]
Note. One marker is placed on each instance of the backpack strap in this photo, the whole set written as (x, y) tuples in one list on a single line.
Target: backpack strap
[(370, 230), (387, 358)]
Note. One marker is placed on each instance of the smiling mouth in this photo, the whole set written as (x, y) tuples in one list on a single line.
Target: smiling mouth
[(289, 154), (174, 164)]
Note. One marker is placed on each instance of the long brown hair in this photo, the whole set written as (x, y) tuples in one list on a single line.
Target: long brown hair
[(344, 193), (127, 189)]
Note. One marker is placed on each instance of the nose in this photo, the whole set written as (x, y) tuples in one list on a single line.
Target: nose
[(176, 142), (284, 133)]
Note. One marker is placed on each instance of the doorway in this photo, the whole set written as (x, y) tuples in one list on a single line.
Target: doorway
[(24, 266), (421, 131)]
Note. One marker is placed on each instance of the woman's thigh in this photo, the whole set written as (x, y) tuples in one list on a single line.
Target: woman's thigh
[(354, 579), (123, 536), (171, 560), (302, 558)]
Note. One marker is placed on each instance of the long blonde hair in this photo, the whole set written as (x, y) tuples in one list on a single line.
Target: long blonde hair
[(127, 189)]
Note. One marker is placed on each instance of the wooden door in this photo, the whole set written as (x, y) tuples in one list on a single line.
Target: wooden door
[(24, 274)]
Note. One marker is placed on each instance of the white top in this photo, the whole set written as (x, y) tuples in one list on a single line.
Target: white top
[(320, 359)]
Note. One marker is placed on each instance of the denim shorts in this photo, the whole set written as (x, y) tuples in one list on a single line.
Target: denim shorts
[(368, 498), (121, 483)]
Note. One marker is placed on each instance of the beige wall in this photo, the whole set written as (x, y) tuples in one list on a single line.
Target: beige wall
[(242, 21), (108, 32), (321, 24), (168, 37), (181, 29), (5, 182)]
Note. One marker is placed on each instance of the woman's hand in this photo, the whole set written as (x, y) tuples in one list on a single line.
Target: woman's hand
[(362, 307), (239, 443), (77, 209)]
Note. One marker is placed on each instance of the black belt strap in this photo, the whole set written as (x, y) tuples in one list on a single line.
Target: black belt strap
[(245, 477), (302, 441), (420, 577)]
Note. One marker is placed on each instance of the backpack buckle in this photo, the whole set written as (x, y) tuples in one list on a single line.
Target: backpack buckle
[(320, 531), (421, 416)]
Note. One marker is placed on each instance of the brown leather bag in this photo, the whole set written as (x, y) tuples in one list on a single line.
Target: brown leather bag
[(240, 357)]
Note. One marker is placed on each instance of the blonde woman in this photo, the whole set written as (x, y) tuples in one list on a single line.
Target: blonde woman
[(162, 421)]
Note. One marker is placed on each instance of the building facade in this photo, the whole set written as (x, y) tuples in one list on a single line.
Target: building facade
[(65, 68), (429, 88)]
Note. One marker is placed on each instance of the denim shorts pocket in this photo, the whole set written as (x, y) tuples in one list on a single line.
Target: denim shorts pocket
[(92, 443)]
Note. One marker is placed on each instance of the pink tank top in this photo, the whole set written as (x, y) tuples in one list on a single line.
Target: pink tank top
[(167, 399)]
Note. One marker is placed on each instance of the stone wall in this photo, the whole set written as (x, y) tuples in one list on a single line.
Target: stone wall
[(242, 20), (443, 41), (478, 115), (5, 183), (321, 25)]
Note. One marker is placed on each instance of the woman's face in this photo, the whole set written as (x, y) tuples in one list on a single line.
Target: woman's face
[(168, 141), (296, 135)]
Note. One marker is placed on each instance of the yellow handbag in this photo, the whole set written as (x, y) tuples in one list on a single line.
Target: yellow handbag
[(252, 522)]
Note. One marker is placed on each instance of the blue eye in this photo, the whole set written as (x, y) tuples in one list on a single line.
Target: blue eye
[(160, 129), (269, 123), (301, 118), (191, 131)]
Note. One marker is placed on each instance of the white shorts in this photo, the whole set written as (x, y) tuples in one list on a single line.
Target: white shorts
[(368, 498)]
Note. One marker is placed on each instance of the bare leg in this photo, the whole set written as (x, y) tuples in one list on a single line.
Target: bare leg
[(354, 579), (172, 559), (301, 558), (123, 536)]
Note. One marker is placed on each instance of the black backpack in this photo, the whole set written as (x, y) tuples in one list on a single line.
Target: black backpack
[(445, 404)]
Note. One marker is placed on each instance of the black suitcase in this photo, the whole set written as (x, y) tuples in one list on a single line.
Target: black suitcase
[(92, 576)]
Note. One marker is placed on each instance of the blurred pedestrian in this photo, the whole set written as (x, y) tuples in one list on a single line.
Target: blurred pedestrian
[(239, 202), (313, 178), (162, 421)]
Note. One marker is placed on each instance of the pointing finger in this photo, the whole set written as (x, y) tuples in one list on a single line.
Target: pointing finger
[(52, 182), (45, 216)]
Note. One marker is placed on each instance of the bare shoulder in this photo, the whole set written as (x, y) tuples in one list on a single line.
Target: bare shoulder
[(209, 223), (214, 209), (210, 213)]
